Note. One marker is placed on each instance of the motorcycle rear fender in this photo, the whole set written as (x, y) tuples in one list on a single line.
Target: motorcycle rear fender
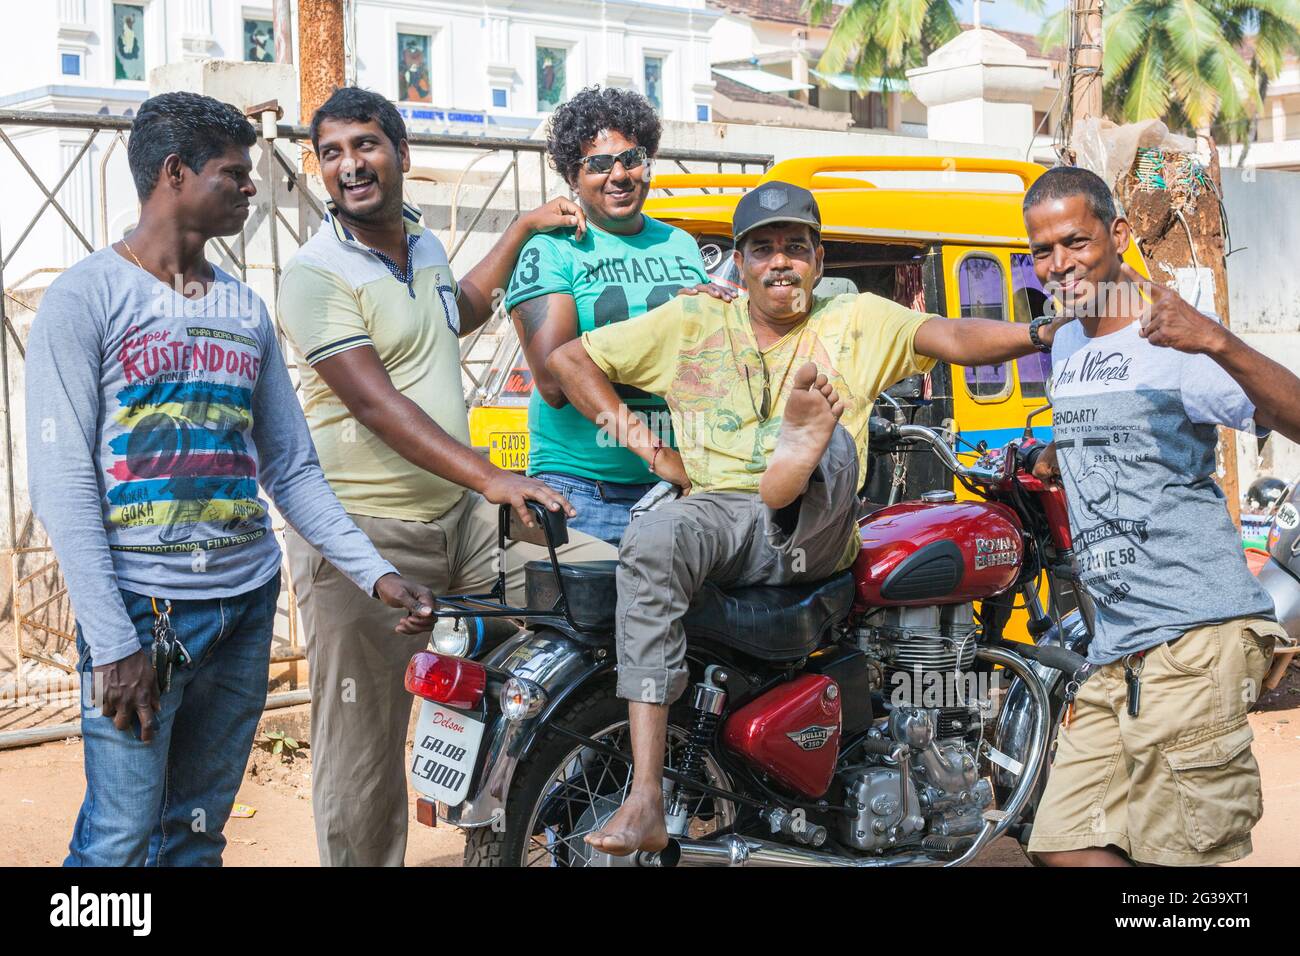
[(560, 664), (1016, 719)]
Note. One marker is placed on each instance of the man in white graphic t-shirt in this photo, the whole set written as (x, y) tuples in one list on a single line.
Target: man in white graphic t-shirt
[(1154, 763)]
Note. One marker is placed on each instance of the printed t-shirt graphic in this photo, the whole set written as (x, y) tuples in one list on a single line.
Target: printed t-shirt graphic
[(1134, 426), (179, 455), (700, 354), (611, 278)]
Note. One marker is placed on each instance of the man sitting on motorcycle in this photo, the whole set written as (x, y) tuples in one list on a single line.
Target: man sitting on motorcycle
[(1153, 763), (770, 396)]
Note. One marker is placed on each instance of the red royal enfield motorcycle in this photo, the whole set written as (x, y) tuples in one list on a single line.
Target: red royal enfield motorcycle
[(877, 718)]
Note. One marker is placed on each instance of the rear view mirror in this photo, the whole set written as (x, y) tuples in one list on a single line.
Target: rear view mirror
[(1029, 419)]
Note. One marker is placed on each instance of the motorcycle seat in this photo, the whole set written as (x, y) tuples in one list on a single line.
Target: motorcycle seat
[(767, 622)]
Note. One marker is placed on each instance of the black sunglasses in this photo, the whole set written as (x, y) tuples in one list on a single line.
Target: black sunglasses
[(604, 162)]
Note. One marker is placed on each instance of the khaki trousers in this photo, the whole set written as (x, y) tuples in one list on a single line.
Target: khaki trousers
[(360, 709), (1176, 785)]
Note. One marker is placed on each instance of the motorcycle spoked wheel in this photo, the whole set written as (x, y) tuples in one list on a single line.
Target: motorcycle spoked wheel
[(563, 790)]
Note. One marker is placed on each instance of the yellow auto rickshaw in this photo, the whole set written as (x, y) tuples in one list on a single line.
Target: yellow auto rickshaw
[(942, 249)]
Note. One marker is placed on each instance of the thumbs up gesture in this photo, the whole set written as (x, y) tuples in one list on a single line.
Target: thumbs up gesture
[(1168, 321)]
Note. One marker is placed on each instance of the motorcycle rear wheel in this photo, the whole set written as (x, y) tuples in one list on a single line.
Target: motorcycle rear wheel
[(562, 790)]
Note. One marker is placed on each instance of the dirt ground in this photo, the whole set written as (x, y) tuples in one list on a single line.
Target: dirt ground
[(41, 789)]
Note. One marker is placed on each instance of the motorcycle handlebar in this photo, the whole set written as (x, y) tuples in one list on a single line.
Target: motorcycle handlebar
[(880, 429)]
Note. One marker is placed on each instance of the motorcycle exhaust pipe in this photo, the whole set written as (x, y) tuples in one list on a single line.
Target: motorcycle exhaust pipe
[(734, 850)]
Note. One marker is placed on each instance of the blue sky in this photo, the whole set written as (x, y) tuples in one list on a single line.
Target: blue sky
[(1007, 14)]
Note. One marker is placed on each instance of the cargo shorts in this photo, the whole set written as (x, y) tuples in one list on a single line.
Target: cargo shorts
[(1177, 785)]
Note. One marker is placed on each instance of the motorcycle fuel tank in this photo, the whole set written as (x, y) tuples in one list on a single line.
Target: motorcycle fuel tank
[(792, 731), (918, 553)]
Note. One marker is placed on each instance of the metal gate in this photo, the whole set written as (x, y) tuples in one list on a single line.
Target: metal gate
[(38, 616)]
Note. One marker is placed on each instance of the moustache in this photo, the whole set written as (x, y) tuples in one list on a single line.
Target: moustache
[(790, 277)]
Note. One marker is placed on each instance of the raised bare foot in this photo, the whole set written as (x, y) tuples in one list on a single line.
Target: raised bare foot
[(637, 825), (811, 412)]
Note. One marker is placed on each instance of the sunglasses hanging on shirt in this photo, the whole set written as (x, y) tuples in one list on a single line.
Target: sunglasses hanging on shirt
[(764, 409)]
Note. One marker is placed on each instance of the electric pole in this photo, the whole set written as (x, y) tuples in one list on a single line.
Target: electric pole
[(321, 60), (1083, 67)]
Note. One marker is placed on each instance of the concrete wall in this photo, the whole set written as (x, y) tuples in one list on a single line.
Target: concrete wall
[(475, 45), (1264, 219), (1263, 210), (608, 42), (734, 37)]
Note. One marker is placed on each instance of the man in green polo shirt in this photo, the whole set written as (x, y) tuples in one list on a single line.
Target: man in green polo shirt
[(571, 281)]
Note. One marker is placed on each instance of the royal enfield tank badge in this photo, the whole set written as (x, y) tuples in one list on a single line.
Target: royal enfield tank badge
[(812, 738)]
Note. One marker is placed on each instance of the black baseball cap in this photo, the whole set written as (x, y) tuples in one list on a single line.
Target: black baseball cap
[(774, 202)]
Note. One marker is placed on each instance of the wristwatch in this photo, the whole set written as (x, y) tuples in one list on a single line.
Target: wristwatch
[(1034, 326)]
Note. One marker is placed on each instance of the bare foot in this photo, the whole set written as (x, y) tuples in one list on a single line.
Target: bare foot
[(637, 825), (811, 412)]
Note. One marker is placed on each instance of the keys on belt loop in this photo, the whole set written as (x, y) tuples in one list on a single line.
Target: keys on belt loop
[(1083, 672), (1133, 664), (167, 649)]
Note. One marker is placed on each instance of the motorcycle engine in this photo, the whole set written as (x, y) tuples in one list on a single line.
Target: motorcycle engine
[(925, 657), (927, 791), (921, 784)]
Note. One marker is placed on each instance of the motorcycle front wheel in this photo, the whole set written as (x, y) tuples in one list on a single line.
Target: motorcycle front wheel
[(562, 790), (1021, 829)]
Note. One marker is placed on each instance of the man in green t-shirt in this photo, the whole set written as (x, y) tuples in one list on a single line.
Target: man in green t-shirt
[(572, 281)]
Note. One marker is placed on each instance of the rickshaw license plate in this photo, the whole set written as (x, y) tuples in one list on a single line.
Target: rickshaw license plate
[(509, 450), (443, 754)]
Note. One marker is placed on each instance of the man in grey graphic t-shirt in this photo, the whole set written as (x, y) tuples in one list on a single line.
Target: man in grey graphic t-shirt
[(159, 411), (1153, 762)]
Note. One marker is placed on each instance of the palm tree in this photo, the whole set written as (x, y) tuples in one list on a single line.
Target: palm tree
[(883, 38), (1195, 64)]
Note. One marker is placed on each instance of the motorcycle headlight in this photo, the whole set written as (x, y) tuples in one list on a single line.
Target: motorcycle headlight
[(521, 699), (449, 642)]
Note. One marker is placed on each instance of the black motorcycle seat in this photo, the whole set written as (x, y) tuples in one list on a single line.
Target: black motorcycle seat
[(766, 622)]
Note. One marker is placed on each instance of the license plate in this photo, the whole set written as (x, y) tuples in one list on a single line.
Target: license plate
[(508, 450), (442, 757)]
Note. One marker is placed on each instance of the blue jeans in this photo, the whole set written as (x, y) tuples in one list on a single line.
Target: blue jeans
[(602, 506), (166, 802)]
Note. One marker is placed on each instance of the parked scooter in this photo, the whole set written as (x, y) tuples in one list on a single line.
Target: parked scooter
[(1279, 573)]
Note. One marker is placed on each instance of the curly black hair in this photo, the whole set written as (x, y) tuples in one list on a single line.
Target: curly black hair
[(197, 128), (591, 110)]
